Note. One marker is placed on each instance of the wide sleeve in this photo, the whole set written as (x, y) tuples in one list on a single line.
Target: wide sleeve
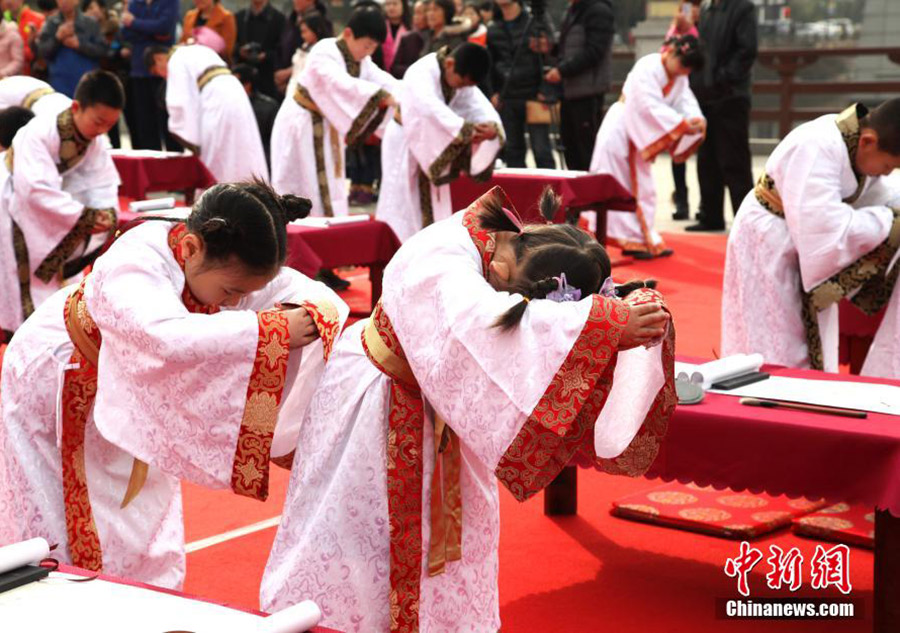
[(193, 395), (652, 124), (474, 107), (378, 124), (690, 109), (351, 105), (54, 222), (828, 234), (183, 100)]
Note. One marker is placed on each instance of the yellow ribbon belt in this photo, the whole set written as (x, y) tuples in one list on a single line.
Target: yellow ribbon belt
[(211, 73)]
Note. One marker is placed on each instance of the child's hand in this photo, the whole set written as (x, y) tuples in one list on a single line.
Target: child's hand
[(103, 222), (301, 327), (645, 323), (484, 132), (697, 125)]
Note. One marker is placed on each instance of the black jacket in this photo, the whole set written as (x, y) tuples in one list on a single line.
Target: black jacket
[(585, 48), (264, 29), (728, 34), (502, 39)]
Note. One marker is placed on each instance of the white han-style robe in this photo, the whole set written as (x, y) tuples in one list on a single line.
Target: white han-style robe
[(431, 146), (650, 117), (48, 207), (210, 110), (192, 395), (771, 262), (336, 103), (34, 94), (514, 403)]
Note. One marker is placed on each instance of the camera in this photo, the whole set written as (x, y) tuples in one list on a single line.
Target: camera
[(252, 52)]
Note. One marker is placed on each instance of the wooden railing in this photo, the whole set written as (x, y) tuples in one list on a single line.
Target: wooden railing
[(786, 62)]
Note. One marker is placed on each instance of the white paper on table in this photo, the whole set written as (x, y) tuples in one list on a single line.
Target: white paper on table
[(721, 369), (296, 619), (323, 223), (145, 153), (154, 204), (28, 552), (99, 606), (540, 171), (862, 396)]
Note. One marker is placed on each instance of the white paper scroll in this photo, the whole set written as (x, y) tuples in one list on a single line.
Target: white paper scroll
[(296, 619), (722, 369), (155, 204), (28, 552)]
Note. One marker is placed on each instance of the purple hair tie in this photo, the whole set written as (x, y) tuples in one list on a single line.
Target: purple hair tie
[(564, 291), (608, 289)]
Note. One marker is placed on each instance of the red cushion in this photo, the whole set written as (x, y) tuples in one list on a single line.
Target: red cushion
[(725, 513), (844, 523)]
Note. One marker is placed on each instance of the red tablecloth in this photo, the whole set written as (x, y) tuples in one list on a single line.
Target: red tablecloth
[(524, 187), (142, 173), (77, 571), (724, 443)]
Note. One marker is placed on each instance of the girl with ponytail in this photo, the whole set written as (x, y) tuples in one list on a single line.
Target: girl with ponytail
[(498, 352), (189, 352)]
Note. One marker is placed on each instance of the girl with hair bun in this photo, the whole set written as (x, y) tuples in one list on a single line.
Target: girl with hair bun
[(495, 353), (179, 356), (656, 113)]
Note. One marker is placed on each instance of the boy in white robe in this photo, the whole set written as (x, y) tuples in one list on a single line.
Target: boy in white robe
[(341, 99), (446, 127), (33, 94), (60, 202), (816, 229), (172, 360), (656, 113), (209, 111), (391, 521)]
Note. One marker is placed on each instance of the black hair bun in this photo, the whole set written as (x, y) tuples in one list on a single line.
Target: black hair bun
[(295, 207)]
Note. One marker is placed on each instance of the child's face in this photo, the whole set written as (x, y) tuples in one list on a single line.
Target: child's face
[(217, 283), (307, 34), (360, 47), (870, 159), (504, 268), (94, 120), (471, 13)]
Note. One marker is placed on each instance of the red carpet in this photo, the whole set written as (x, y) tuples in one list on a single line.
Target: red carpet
[(591, 572)]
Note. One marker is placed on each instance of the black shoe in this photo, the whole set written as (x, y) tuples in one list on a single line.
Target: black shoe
[(701, 227), (330, 279), (682, 211)]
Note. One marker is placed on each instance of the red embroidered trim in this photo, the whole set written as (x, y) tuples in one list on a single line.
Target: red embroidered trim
[(327, 320), (484, 240)]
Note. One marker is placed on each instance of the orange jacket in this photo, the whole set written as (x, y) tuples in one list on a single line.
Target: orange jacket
[(221, 20)]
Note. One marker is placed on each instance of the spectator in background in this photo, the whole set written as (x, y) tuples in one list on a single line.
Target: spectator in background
[(399, 22), (212, 15), (12, 51), (445, 31), (147, 23), (71, 44), (413, 43), (29, 22), (583, 68), (292, 40), (259, 29), (728, 33), (264, 107), (313, 27), (486, 11), (684, 23), (117, 59), (471, 15), (521, 83)]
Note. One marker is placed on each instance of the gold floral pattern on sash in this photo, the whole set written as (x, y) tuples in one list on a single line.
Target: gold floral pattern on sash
[(72, 145), (57, 260), (23, 270), (211, 73), (34, 96)]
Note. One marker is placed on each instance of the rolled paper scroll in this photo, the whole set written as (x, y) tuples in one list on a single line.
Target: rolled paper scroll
[(28, 552), (296, 619), (722, 369)]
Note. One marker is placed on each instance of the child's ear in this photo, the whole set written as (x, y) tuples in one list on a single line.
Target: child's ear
[(500, 270), (868, 138)]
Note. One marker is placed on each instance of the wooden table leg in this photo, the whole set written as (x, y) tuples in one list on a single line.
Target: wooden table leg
[(886, 617), (561, 496), (376, 274)]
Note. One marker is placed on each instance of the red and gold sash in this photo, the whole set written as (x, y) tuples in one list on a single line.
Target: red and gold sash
[(250, 470)]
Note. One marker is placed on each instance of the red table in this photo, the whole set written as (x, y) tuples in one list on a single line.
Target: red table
[(366, 243), (76, 571), (726, 444), (580, 191), (142, 171), (857, 332)]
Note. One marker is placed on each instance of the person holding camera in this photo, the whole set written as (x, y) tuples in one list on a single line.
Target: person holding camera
[(584, 69), (259, 29), (516, 80)]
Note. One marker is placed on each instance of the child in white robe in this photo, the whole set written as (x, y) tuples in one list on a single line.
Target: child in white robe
[(391, 521), (172, 360), (209, 111), (446, 127), (59, 203), (341, 99), (33, 94), (656, 113), (817, 228)]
